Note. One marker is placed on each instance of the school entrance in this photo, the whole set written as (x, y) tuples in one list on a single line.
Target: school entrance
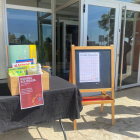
[(101, 23)]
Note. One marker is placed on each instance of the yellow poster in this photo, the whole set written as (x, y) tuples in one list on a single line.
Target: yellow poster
[(33, 52)]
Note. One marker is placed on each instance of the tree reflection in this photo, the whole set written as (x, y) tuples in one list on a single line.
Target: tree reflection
[(107, 23), (13, 40), (44, 52)]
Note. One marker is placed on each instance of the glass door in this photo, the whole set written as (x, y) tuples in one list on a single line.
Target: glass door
[(101, 19), (70, 37), (129, 50), (101, 25), (67, 28)]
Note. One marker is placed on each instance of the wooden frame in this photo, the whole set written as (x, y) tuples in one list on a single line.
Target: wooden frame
[(104, 98)]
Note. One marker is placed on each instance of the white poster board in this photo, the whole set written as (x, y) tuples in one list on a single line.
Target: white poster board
[(89, 67)]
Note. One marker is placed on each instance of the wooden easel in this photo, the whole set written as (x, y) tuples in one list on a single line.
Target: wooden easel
[(104, 98)]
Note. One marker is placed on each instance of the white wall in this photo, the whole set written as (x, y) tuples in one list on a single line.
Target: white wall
[(2, 45)]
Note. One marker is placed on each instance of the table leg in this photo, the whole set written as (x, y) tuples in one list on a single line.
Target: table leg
[(63, 129)]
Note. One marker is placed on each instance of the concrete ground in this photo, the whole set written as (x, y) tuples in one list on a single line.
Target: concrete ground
[(92, 125)]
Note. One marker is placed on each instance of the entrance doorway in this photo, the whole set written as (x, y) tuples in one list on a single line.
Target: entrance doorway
[(67, 27), (70, 37), (107, 23), (128, 68), (101, 24)]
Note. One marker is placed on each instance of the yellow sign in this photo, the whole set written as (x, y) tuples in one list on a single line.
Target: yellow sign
[(33, 52)]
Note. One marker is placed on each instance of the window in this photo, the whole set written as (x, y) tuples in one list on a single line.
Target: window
[(30, 27), (101, 21)]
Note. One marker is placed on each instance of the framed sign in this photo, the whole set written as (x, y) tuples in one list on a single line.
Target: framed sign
[(92, 70)]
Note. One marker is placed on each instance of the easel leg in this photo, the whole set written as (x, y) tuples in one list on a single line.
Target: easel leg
[(113, 114), (102, 106), (75, 124)]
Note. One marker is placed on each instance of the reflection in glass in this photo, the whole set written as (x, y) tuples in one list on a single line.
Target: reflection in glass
[(131, 48), (101, 22), (29, 27), (60, 2), (66, 35), (71, 38)]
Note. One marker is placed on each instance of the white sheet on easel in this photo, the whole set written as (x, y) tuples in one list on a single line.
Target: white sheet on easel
[(89, 67)]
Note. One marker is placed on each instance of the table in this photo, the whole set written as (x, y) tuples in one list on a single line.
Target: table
[(63, 100)]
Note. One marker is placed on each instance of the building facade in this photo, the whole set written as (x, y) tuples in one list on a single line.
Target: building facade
[(54, 25), (2, 43)]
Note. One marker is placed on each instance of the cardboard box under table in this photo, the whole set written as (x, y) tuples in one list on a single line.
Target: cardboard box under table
[(14, 85)]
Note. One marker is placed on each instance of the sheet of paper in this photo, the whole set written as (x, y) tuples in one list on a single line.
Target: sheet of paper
[(89, 67)]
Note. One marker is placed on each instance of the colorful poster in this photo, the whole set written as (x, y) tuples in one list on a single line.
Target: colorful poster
[(31, 91), (19, 52), (33, 52), (89, 67)]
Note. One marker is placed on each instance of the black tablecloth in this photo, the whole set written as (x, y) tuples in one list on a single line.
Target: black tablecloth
[(63, 100)]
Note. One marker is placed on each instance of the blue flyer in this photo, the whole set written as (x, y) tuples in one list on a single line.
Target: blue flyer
[(25, 60)]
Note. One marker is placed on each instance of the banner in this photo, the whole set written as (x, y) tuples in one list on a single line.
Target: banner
[(31, 92)]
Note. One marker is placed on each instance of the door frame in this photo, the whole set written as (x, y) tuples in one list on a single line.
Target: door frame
[(66, 22), (131, 8), (116, 27)]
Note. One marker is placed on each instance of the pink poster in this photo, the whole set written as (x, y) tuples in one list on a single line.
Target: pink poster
[(31, 92)]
